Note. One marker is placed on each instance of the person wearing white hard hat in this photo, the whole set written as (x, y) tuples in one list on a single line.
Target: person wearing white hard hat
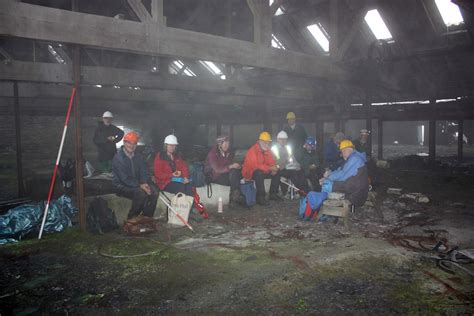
[(288, 167), (106, 137), (171, 171)]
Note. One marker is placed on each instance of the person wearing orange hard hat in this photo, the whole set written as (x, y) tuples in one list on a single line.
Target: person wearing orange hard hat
[(131, 179), (259, 163), (106, 137), (350, 179)]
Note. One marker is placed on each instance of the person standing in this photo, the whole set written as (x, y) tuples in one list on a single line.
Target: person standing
[(106, 136), (131, 180), (296, 134)]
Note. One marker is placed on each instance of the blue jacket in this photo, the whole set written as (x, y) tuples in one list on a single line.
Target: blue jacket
[(332, 155), (128, 173), (355, 161)]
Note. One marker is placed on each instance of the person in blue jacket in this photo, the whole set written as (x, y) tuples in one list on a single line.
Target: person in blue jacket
[(331, 152), (131, 180), (352, 178)]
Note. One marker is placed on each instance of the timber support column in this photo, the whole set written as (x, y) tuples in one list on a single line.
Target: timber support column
[(19, 160), (380, 139), (78, 136), (460, 140), (432, 140)]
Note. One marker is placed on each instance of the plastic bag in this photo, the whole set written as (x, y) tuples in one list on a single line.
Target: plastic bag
[(25, 219)]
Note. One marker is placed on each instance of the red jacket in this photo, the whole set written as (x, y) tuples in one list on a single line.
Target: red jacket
[(163, 170), (257, 159)]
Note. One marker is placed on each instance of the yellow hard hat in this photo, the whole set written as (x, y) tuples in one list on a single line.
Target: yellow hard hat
[(345, 144), (265, 136), (290, 116)]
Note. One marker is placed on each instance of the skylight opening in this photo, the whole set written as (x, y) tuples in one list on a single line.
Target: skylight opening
[(56, 55), (377, 25), (279, 11), (320, 35), (276, 42), (176, 68), (212, 68), (449, 12)]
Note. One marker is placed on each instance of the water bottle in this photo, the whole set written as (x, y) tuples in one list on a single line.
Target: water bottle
[(219, 205)]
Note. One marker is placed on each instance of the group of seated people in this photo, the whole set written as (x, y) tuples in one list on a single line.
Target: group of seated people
[(299, 164)]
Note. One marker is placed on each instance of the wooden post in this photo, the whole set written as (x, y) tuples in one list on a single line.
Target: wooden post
[(432, 140), (319, 139), (19, 161), (78, 135), (460, 140), (267, 119), (368, 126), (231, 134), (380, 139), (218, 126)]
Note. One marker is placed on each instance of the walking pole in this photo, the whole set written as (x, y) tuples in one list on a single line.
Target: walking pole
[(285, 181), (176, 213), (51, 187)]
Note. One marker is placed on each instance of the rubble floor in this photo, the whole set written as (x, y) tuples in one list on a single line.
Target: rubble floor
[(262, 261)]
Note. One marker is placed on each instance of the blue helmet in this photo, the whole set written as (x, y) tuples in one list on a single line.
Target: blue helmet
[(310, 141)]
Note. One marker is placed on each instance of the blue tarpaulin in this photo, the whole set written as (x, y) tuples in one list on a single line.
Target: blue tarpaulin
[(25, 219)]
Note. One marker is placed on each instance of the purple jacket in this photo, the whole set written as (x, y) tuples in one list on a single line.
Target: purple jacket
[(217, 164)]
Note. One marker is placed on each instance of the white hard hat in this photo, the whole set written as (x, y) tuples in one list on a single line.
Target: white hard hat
[(108, 114), (171, 140), (282, 135)]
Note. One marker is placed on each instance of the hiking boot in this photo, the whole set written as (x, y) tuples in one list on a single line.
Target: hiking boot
[(275, 197), (262, 201)]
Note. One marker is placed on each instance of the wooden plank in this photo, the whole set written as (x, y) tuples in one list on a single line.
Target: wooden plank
[(19, 160), (37, 22), (56, 73), (140, 10), (157, 11)]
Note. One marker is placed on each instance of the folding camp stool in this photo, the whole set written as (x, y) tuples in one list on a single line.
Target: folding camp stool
[(336, 207)]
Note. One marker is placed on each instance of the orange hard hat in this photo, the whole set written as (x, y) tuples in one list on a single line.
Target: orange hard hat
[(131, 137)]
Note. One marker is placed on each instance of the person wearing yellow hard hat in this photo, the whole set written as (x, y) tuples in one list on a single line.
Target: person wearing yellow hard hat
[(296, 134), (350, 179), (131, 179), (259, 163), (106, 137)]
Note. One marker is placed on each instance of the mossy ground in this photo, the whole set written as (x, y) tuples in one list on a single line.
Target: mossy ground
[(64, 272)]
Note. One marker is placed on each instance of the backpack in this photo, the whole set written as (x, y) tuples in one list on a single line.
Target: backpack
[(196, 173), (309, 205), (249, 192), (100, 218)]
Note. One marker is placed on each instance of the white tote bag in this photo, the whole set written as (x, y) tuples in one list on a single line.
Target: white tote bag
[(181, 204)]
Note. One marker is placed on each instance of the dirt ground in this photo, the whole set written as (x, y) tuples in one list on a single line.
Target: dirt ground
[(265, 260)]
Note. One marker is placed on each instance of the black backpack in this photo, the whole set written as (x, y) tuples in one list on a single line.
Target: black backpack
[(100, 218)]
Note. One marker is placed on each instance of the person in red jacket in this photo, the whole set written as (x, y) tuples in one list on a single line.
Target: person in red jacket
[(171, 172), (258, 163)]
